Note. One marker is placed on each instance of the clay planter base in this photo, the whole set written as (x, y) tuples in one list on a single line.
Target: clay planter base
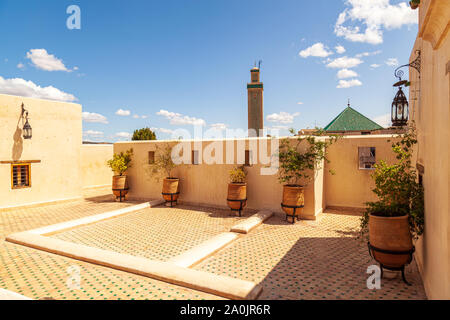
[(171, 190), (293, 196), (237, 191), (120, 187), (392, 234)]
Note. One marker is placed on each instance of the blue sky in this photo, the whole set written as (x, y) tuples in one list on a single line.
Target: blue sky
[(191, 59)]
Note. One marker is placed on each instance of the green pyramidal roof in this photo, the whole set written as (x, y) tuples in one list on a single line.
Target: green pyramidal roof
[(351, 120)]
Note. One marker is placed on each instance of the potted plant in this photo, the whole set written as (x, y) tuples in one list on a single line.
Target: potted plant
[(414, 4), (163, 166), (397, 217), (119, 164), (237, 189), (298, 160)]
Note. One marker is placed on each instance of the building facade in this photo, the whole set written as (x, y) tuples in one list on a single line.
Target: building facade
[(430, 110), (52, 165)]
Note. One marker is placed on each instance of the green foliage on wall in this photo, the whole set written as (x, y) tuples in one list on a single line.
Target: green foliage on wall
[(121, 162)]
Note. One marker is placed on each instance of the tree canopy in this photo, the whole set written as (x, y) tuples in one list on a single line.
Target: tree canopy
[(143, 134)]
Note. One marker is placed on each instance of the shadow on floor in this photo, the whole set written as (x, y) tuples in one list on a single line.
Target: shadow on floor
[(334, 268)]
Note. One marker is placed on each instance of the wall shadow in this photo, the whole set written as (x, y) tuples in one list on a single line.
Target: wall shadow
[(334, 269), (17, 147)]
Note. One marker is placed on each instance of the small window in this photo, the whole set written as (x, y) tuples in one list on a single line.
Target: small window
[(151, 157), (248, 158), (366, 157), (194, 157), (20, 176)]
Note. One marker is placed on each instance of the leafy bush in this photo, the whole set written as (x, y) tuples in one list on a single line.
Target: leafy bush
[(238, 175), (297, 166), (163, 164), (143, 134), (120, 162), (397, 188)]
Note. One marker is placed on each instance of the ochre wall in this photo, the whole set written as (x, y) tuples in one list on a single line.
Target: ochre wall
[(429, 108), (94, 171), (56, 142), (207, 184), (351, 186)]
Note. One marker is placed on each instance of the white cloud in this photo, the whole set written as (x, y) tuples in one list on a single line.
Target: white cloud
[(375, 65), (219, 126), (45, 61), (21, 87), (136, 116), (343, 84), (383, 120), (367, 54), (94, 117), (179, 119), (392, 62), (21, 66), (124, 135), (344, 63), (123, 113), (375, 16), (340, 49), (93, 133), (162, 130), (282, 117), (316, 50), (346, 73)]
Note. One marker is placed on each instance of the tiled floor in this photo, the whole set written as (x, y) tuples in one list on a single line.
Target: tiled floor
[(309, 260), (156, 233)]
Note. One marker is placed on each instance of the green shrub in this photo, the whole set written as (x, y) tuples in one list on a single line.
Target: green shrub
[(238, 175), (120, 162), (163, 165), (397, 188), (297, 166)]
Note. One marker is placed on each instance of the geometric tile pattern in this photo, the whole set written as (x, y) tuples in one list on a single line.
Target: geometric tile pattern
[(323, 259), (38, 274), (308, 260), (155, 233)]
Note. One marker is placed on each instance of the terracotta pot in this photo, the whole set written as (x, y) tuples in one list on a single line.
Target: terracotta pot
[(120, 183), (390, 233), (171, 185), (293, 195), (237, 191)]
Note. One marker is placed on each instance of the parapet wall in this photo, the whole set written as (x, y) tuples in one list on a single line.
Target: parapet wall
[(206, 184)]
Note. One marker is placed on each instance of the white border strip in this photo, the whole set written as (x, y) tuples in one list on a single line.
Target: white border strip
[(88, 220), (223, 286), (9, 295)]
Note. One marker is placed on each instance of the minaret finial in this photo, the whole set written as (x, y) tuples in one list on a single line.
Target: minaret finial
[(348, 104)]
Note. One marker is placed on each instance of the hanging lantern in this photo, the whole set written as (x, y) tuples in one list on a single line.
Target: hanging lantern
[(399, 111), (27, 131)]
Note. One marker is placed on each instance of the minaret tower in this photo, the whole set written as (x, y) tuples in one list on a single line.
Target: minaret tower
[(255, 102)]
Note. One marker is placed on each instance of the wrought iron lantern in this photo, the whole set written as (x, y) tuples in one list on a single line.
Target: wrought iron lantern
[(27, 131), (399, 111), (400, 106)]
